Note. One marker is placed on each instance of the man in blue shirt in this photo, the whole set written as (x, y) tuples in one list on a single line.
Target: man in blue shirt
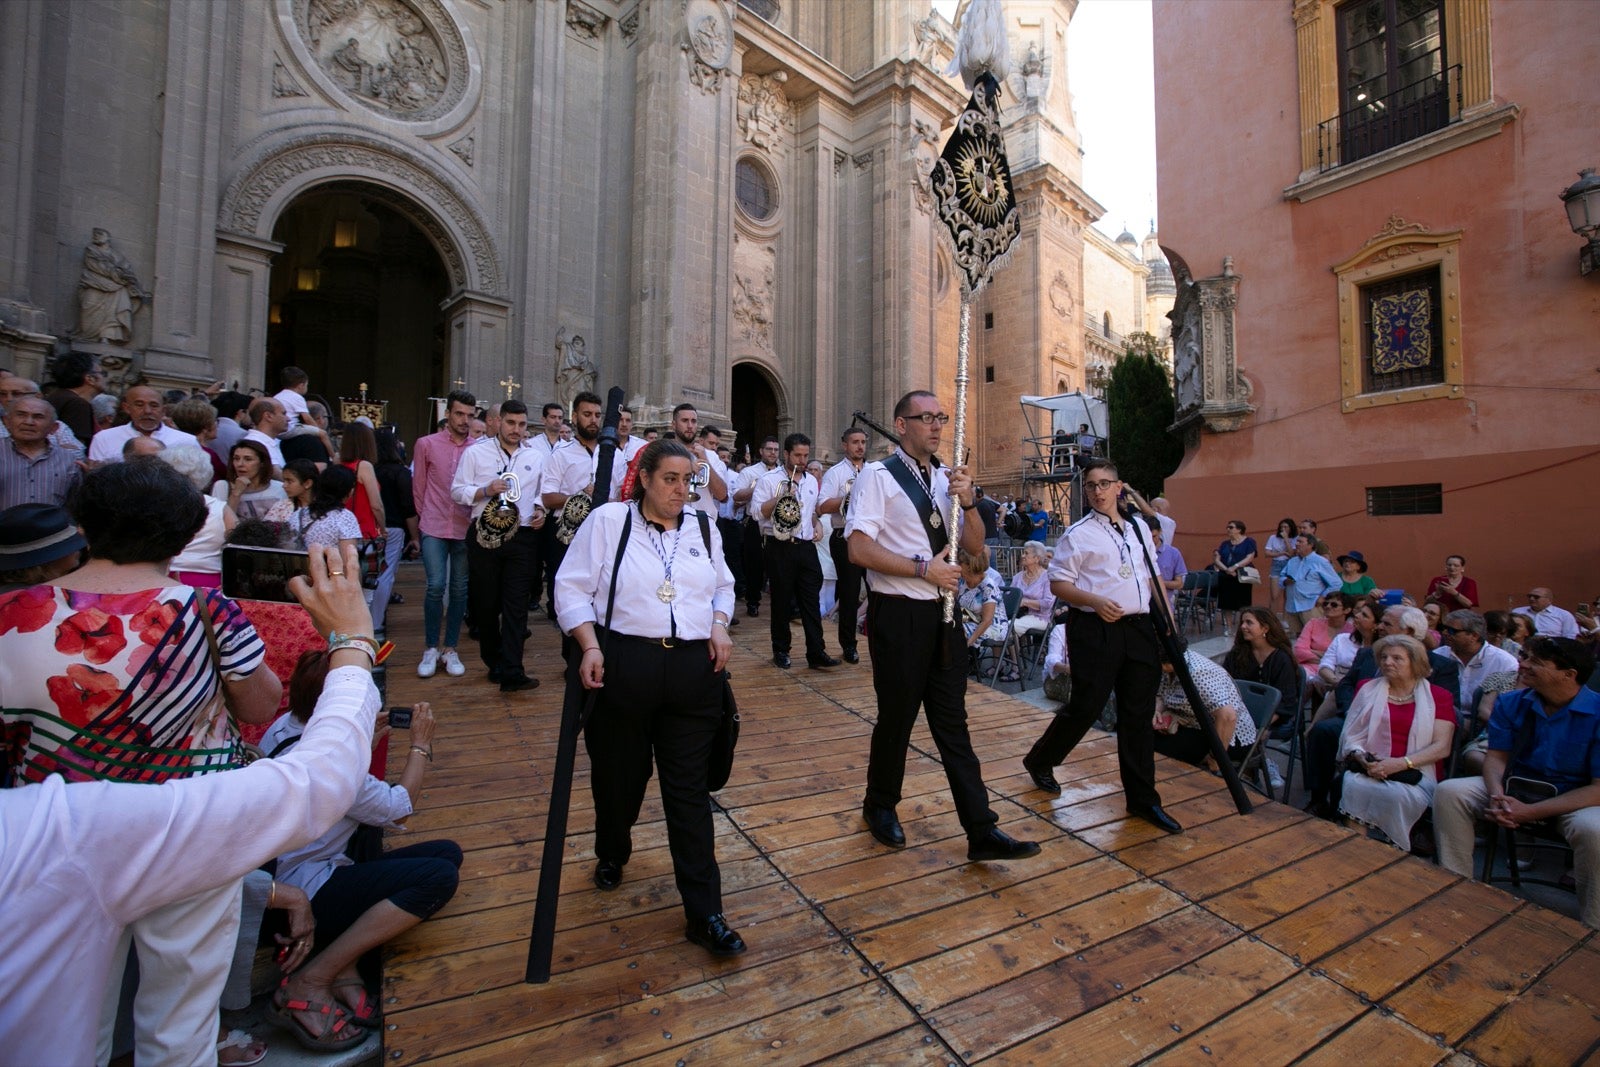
[(1548, 732), (1039, 522), (1307, 578)]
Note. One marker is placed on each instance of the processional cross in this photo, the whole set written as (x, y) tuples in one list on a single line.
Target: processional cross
[(509, 383)]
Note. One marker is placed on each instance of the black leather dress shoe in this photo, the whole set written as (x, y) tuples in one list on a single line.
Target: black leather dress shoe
[(494, 675), (517, 683), (1157, 818), (821, 664), (781, 659), (1043, 778), (884, 827), (753, 610), (715, 936), (996, 844), (608, 874), (852, 656)]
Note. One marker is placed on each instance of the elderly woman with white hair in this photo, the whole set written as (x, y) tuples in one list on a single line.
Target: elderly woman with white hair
[(1398, 731), (199, 565)]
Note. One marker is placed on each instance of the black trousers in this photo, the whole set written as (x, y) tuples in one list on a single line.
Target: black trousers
[(733, 552), (544, 570), (1323, 776), (1121, 657), (501, 583), (847, 589), (919, 660), (665, 704), (796, 576), (755, 571)]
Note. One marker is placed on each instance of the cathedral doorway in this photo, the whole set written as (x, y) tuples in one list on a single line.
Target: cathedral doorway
[(356, 297), (755, 410)]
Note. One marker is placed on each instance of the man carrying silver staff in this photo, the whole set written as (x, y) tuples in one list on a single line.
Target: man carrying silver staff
[(497, 476), (784, 501), (835, 497), (755, 571), (567, 485), (897, 530)]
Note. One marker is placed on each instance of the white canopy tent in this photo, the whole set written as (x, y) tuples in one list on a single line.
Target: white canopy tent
[(1067, 411)]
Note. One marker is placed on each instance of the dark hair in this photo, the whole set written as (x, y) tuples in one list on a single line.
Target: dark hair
[(547, 409), (1456, 555), (1348, 600), (356, 442), (517, 407), (254, 533), (796, 440), (260, 451), (305, 684), (389, 450), (711, 431), (1093, 465), (229, 405), (902, 407), (70, 369), (587, 397), (1497, 623), (1562, 653), (650, 458), (1294, 528), (137, 511), (333, 487), (292, 376), (1241, 658), (682, 408), (771, 439), (851, 431), (460, 396), (304, 469)]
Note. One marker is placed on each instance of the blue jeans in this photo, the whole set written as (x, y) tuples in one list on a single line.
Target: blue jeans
[(439, 557), (392, 548)]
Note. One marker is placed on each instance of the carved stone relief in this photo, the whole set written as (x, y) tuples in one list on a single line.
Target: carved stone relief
[(708, 43), (1061, 298), (764, 111), (463, 147), (403, 58), (283, 83), (629, 25), (575, 372), (932, 44), (584, 22), (1211, 392), (924, 140), (754, 285), (1031, 81)]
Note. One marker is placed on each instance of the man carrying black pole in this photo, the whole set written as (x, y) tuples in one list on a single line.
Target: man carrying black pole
[(1101, 570)]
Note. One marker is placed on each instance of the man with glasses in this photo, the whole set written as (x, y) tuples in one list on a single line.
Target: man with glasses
[(897, 530), (1465, 642), (1100, 569), (1548, 619), (1542, 762)]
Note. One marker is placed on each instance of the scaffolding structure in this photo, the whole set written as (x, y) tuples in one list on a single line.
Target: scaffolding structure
[(1063, 432)]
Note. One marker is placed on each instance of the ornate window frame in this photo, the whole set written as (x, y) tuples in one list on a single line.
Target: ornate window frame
[(769, 226), (1400, 248)]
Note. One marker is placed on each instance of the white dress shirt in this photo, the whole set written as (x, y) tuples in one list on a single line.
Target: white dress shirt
[(483, 462), (880, 509), (274, 450), (771, 485), (571, 469), (747, 480), (702, 581), (1489, 660), (1092, 553), (1340, 653), (834, 481), (1551, 622), (106, 447), (543, 446)]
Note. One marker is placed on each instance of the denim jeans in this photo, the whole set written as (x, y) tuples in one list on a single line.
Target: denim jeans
[(392, 549), (438, 556)]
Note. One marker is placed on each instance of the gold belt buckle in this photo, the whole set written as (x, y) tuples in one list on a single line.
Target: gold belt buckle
[(669, 642)]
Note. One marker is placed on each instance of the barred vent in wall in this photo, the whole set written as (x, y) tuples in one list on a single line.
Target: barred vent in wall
[(1427, 499)]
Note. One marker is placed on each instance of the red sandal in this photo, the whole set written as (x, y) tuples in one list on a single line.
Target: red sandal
[(365, 1010), (339, 1030)]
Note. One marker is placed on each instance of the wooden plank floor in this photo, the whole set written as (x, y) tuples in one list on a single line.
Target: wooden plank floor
[(1273, 938)]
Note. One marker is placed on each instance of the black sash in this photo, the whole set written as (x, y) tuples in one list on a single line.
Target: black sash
[(922, 499)]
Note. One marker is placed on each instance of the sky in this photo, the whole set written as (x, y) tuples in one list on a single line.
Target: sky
[(1111, 71)]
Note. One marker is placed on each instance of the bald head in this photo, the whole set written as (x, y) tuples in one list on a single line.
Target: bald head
[(144, 408), (14, 388)]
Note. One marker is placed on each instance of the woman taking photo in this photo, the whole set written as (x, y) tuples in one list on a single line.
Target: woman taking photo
[(1262, 653), (1280, 546), (252, 493), (668, 606), (1398, 730), (1231, 557)]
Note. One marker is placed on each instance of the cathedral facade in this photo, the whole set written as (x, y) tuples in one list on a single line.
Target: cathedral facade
[(698, 200)]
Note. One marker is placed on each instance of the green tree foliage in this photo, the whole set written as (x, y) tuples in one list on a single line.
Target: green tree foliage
[(1142, 407)]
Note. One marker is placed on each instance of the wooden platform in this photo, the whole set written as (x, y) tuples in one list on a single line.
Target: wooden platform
[(1263, 939)]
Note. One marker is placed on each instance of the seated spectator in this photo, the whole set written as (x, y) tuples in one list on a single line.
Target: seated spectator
[(1471, 760), (1588, 621), (1341, 653), (1055, 654), (326, 521), (1544, 738), (1435, 616), (286, 630), (1280, 546), (1521, 631), (1318, 634), (1306, 580), (194, 837), (200, 562), (1169, 561), (1548, 620), (1353, 575), (1262, 653), (38, 544), (253, 492), (982, 610), (1398, 732), (357, 907), (1497, 627), (1453, 590), (1177, 730), (1033, 578)]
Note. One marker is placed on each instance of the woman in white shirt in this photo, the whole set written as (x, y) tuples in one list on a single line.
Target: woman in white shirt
[(200, 563), (1341, 653)]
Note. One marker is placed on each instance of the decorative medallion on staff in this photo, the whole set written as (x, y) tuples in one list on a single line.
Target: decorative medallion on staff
[(973, 194)]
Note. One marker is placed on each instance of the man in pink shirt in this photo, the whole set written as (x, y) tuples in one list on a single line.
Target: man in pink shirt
[(444, 533)]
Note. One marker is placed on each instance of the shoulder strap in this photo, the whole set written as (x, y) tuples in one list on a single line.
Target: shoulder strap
[(616, 567), (705, 529), (283, 745), (938, 540)]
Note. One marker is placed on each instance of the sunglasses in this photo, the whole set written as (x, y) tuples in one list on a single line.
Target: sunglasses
[(1449, 631)]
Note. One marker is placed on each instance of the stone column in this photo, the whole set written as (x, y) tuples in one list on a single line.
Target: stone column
[(241, 273), (24, 325)]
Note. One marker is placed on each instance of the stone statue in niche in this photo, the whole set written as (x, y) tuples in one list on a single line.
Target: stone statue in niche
[(379, 50), (574, 372), (764, 109), (930, 41), (1032, 76), (107, 291)]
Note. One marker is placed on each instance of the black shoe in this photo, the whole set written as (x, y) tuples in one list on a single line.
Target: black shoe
[(753, 610), (884, 826), (550, 613), (715, 936), (608, 874), (852, 656), (1157, 818), (781, 659), (996, 844), (821, 664), (494, 675), (517, 683), (1043, 778)]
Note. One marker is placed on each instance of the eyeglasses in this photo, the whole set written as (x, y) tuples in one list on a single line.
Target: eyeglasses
[(1449, 631), (928, 418), (1100, 487), (1536, 596)]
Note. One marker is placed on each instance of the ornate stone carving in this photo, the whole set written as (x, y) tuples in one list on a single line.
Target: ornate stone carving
[(932, 44), (349, 153), (862, 160), (584, 22), (1031, 82), (108, 293), (402, 58), (839, 156), (574, 372), (1061, 298), (464, 147), (1211, 391), (923, 140), (754, 283), (764, 111), (926, 132), (708, 43), (629, 25), (283, 83)]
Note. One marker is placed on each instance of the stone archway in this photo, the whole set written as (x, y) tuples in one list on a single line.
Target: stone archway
[(758, 408)]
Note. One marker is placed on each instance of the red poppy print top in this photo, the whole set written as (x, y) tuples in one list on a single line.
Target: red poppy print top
[(118, 685)]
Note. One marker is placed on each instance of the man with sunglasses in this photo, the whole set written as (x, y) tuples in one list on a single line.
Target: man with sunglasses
[(1547, 619), (1101, 570), (1542, 765), (1465, 642)]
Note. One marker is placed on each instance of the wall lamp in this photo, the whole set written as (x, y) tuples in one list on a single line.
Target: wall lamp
[(1582, 199)]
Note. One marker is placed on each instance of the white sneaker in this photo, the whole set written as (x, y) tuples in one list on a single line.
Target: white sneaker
[(1274, 775), (429, 665), (453, 665)]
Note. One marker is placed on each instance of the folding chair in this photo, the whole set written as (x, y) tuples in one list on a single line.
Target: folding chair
[(1294, 748), (1011, 599), (1260, 701)]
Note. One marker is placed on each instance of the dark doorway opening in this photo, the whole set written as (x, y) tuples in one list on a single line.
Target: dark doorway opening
[(355, 297), (755, 407)]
